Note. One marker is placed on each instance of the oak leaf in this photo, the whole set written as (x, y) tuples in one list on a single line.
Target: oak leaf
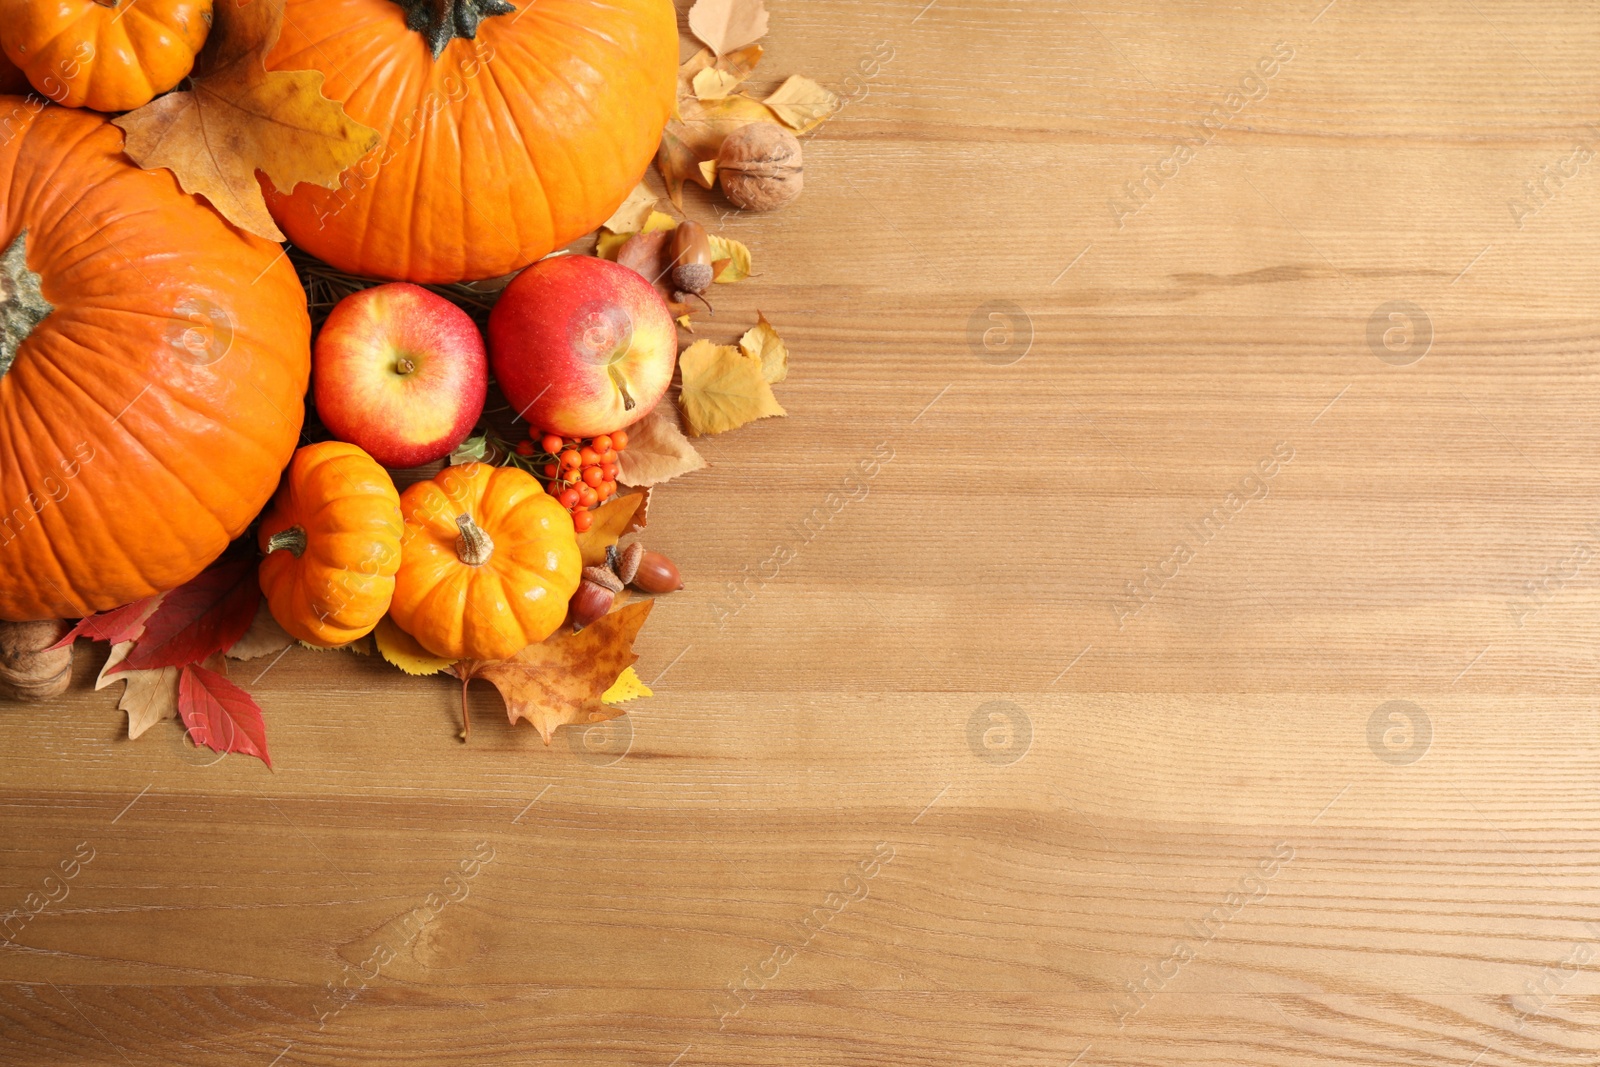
[(404, 651), (801, 104), (237, 118), (723, 389), (657, 450), (610, 521), (761, 342), (148, 698), (219, 714), (264, 638), (560, 681), (725, 25)]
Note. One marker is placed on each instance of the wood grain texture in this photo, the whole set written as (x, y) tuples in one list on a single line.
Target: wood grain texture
[(992, 772)]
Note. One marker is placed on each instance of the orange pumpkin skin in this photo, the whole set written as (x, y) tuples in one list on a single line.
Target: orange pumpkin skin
[(112, 56), (12, 81), (332, 539), (145, 419), (505, 147), (517, 596)]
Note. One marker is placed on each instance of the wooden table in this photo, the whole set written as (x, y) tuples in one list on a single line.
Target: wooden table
[(1187, 654)]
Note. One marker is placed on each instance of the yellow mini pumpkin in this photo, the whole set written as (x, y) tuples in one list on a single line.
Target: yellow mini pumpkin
[(488, 563), (332, 539)]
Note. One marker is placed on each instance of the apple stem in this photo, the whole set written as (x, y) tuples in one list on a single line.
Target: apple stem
[(474, 546), (628, 403), (293, 539)]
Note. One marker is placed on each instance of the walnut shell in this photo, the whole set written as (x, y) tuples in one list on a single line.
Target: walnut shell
[(760, 167), (27, 671)]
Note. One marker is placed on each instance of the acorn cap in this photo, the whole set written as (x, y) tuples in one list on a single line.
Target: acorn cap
[(602, 577), (628, 562)]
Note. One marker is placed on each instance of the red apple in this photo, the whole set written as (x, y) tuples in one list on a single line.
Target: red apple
[(400, 372), (582, 346)]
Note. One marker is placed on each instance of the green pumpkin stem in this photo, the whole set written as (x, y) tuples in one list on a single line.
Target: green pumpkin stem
[(442, 21), (22, 304), (293, 539), (474, 546)]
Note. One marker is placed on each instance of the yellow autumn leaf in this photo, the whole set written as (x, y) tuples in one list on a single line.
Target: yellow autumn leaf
[(403, 650), (802, 104), (610, 521), (630, 217), (659, 220), (723, 389), (607, 244), (762, 344), (714, 84), (737, 255), (686, 322), (628, 686), (725, 25), (708, 173)]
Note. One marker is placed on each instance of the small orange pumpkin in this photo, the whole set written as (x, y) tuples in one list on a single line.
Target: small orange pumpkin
[(488, 564), (109, 55), (332, 539)]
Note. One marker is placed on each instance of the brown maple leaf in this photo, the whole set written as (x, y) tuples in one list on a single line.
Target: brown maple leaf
[(238, 118), (559, 681)]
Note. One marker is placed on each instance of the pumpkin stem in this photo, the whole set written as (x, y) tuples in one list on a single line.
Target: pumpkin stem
[(293, 539), (442, 21), (22, 304), (474, 546)]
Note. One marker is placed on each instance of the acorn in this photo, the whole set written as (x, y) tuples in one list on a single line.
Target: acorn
[(646, 571), (691, 261), (595, 595)]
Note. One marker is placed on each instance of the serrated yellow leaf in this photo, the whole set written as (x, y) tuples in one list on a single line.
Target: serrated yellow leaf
[(762, 343), (628, 686), (723, 389), (801, 104), (737, 255), (402, 650)]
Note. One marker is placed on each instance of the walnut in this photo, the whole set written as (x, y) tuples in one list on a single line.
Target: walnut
[(760, 167), (28, 670)]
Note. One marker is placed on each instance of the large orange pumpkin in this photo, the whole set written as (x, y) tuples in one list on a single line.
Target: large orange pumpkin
[(506, 131), (110, 55), (153, 361)]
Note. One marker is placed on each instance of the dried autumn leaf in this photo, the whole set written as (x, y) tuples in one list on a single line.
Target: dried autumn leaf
[(761, 342), (238, 118), (714, 83), (736, 257), (264, 638), (631, 215), (115, 626), (677, 163), (608, 244), (728, 24), (219, 714), (560, 681), (611, 521), (645, 253), (705, 125), (657, 450), (403, 650), (722, 389), (641, 517), (148, 698), (202, 617), (118, 653), (628, 686), (802, 104)]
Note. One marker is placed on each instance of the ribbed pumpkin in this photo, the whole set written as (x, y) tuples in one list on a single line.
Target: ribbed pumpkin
[(332, 539), (488, 563), (153, 361), (506, 131), (110, 55)]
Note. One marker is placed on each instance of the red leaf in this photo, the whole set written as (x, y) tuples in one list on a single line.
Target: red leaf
[(114, 626), (220, 715), (207, 615)]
